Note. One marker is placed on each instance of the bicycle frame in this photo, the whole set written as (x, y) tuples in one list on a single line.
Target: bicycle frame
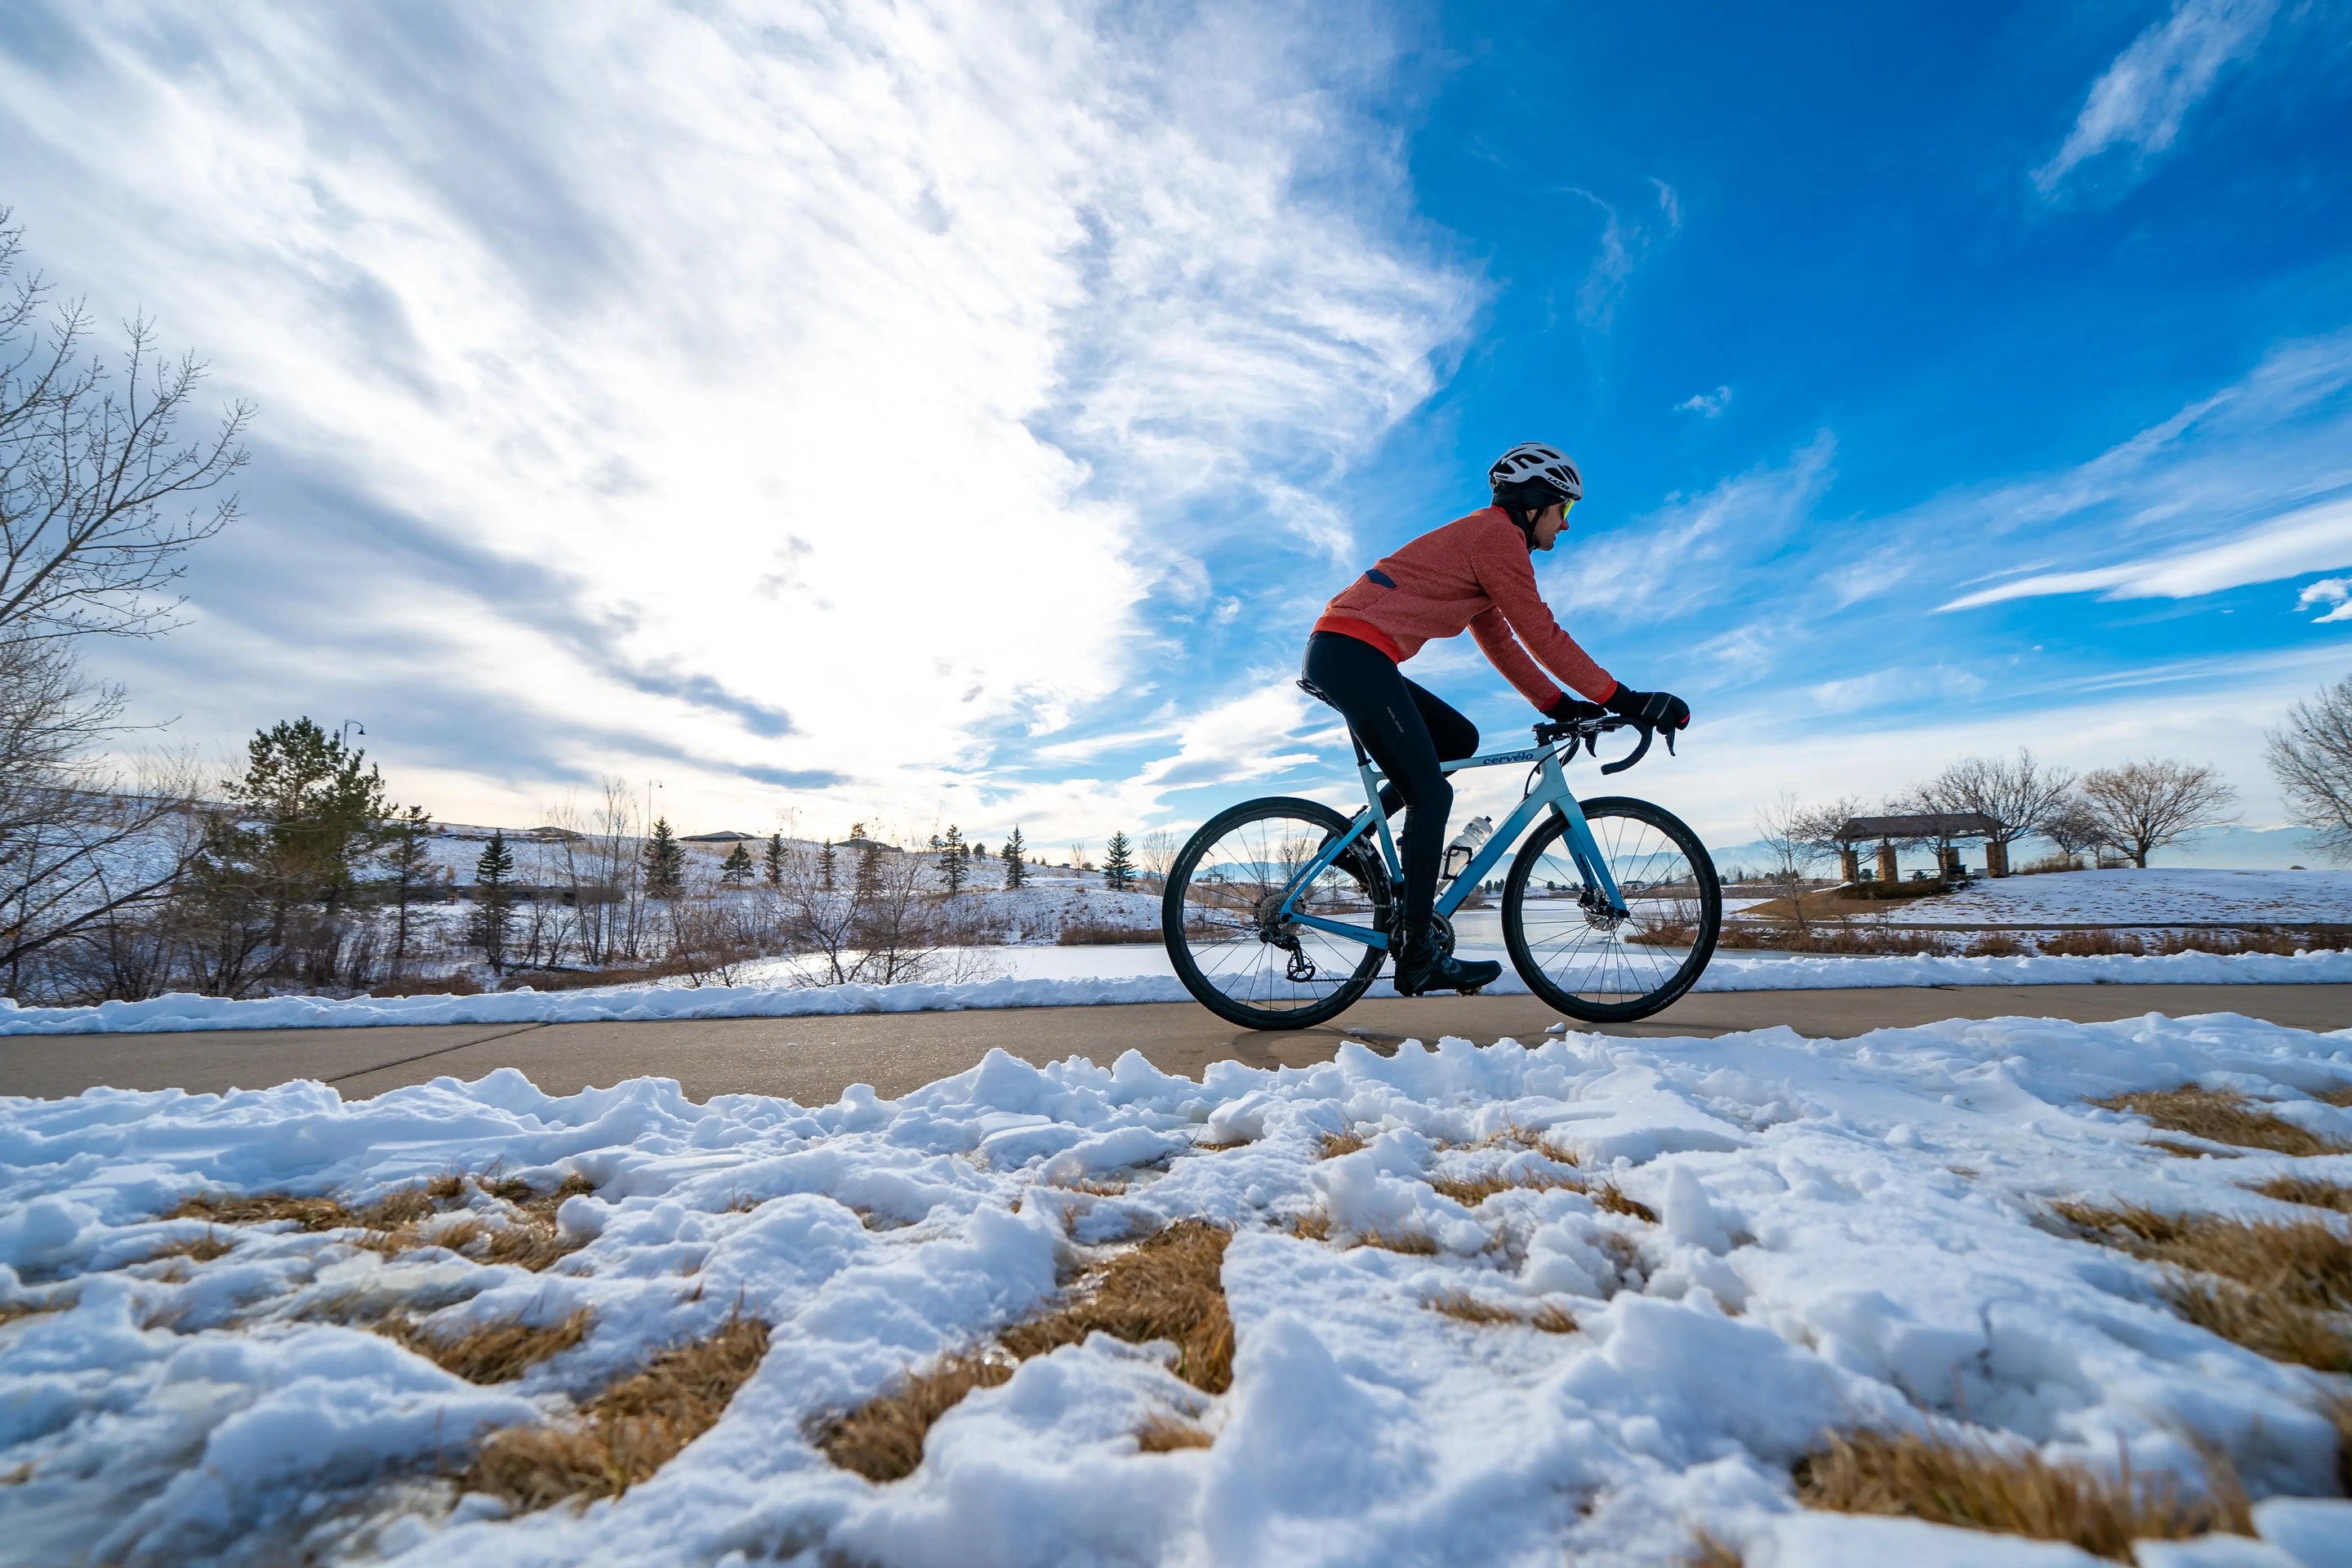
[(1551, 793)]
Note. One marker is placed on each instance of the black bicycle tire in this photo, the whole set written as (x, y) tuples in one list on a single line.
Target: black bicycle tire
[(1515, 938), (1172, 922)]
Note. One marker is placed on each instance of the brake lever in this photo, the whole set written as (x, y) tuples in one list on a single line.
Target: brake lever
[(1638, 752), (1670, 742)]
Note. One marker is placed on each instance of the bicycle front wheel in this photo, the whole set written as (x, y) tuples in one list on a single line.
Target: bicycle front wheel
[(1587, 961), (1221, 915)]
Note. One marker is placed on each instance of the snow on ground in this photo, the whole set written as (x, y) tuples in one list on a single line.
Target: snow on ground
[(2155, 896), (1849, 1233), (1097, 976)]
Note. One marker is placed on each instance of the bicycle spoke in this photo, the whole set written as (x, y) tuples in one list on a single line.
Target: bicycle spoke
[(1593, 957), (1233, 945)]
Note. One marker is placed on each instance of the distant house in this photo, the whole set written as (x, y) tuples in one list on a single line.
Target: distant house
[(728, 837)]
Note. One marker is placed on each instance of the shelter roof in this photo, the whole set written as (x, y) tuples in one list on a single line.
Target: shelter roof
[(1920, 825)]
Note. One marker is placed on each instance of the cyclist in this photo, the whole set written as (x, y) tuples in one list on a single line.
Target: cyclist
[(1474, 572)]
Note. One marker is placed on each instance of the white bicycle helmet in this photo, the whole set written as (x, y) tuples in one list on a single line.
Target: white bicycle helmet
[(1532, 460)]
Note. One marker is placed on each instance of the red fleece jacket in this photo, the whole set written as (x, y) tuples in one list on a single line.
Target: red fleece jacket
[(1474, 572)]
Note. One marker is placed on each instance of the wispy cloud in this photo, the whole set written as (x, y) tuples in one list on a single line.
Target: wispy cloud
[(2139, 102), (1706, 404), (2313, 539), (819, 390), (1696, 549), (2248, 484), (1622, 243)]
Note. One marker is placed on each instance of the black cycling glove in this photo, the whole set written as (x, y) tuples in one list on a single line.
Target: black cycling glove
[(1658, 710), (1568, 707)]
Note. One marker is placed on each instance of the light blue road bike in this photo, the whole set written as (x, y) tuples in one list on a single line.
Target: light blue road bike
[(1278, 912)]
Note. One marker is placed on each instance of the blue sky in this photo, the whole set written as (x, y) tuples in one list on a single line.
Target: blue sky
[(928, 414)]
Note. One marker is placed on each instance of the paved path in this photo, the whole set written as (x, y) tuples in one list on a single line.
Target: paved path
[(813, 1059)]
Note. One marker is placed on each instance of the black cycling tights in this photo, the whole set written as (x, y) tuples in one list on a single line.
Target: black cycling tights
[(1409, 730)]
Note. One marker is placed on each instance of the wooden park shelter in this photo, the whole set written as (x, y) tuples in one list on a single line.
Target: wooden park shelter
[(1944, 829)]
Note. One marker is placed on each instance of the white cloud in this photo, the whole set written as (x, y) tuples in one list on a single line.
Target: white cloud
[(2141, 99), (815, 359), (1706, 404), (2335, 592), (1694, 549), (2312, 539)]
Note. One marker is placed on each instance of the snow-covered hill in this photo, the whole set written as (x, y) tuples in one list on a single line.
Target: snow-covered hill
[(2155, 896)]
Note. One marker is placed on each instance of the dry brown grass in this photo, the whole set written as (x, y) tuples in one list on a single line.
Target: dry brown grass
[(1710, 1552), (882, 1439), (1091, 1188), (197, 1249), (2190, 1152), (1551, 1320), (2306, 1261), (2221, 1116), (1546, 1319), (1166, 1435), (2335, 1096), (1472, 1190), (266, 1208), (1995, 945), (1977, 1487), (497, 1352), (1611, 1196), (1169, 1287), (1413, 1243), (397, 1222), (627, 1432), (1333, 1144), (2278, 1282), (1220, 1148), (11, 1311), (1314, 1224), (1470, 1310), (2313, 1191), (2263, 1323)]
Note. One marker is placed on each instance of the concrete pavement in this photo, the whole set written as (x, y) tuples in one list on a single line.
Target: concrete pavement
[(813, 1059)]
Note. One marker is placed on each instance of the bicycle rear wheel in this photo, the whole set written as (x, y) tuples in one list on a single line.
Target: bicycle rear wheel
[(1588, 962), (1218, 916)]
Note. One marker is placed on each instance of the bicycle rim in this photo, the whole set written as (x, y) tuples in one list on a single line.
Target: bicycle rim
[(1586, 963), (1216, 917)]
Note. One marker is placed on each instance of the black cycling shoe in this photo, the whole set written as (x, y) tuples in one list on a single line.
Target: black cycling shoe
[(1423, 969)]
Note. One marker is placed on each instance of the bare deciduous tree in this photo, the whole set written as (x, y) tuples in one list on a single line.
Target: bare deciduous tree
[(1797, 838), (79, 846), (2142, 806), (99, 494), (2073, 827), (2312, 759), (2019, 796)]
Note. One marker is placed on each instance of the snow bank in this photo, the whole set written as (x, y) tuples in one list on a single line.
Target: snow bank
[(629, 1003), (1847, 1234)]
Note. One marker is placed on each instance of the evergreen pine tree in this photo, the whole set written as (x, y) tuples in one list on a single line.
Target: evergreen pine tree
[(664, 859), (954, 860), (493, 901), (776, 858), (825, 866), (409, 871), (1016, 869), (869, 869), (1118, 863), (736, 870)]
